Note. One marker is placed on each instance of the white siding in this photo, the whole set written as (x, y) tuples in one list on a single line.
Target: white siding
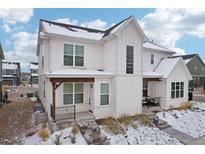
[(147, 66)]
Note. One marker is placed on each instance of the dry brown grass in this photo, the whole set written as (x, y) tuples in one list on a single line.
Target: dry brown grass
[(126, 120), (143, 119), (44, 133), (15, 120), (185, 106), (75, 129), (112, 126)]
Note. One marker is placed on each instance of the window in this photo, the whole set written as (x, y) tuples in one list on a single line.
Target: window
[(79, 55), (42, 60), (68, 54), (145, 88), (104, 94), (73, 57), (152, 59), (73, 93), (177, 90), (129, 59)]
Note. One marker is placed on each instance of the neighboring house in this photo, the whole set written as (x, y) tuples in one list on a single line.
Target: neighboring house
[(25, 77), (33, 73), (1, 58), (11, 73), (196, 67), (102, 72)]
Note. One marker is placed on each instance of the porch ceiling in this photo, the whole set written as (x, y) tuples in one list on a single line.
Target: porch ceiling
[(72, 80)]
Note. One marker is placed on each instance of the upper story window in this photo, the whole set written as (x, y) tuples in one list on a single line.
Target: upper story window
[(13, 71), (129, 59), (152, 59), (73, 55), (35, 71)]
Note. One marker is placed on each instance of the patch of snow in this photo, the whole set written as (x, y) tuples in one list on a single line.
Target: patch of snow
[(140, 135), (191, 122), (9, 66), (33, 99), (78, 33), (64, 139), (199, 105), (154, 46)]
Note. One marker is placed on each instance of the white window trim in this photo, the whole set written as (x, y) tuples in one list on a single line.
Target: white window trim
[(175, 91), (109, 103), (73, 93), (74, 66)]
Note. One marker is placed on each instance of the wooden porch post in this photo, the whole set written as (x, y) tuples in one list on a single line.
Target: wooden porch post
[(54, 100)]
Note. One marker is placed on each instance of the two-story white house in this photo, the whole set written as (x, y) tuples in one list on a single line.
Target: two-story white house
[(101, 72)]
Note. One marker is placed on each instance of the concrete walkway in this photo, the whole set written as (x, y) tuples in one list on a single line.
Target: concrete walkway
[(198, 141), (184, 138)]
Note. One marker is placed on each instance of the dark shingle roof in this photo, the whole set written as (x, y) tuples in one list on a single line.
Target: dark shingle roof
[(107, 32), (69, 26), (185, 57), (92, 30)]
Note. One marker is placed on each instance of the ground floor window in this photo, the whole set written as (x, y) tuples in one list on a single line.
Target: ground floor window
[(104, 94), (177, 90), (73, 93), (145, 88)]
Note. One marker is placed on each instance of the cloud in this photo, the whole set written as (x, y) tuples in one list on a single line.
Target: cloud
[(6, 28), (167, 26), (97, 24), (24, 49), (13, 16), (179, 51)]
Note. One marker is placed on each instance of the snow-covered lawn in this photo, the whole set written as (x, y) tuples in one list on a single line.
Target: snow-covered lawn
[(140, 135), (191, 122), (64, 139)]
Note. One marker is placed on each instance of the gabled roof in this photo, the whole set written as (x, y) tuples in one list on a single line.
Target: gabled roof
[(189, 57), (33, 65), (167, 65), (1, 52), (154, 46), (57, 28)]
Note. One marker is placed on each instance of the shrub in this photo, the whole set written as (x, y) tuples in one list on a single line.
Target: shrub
[(185, 106), (73, 139), (44, 133), (144, 119), (75, 129), (57, 139), (43, 124), (126, 120), (111, 125)]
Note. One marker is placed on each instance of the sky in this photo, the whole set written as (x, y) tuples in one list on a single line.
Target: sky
[(181, 30)]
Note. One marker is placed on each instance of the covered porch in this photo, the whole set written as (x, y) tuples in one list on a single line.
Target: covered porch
[(74, 95), (152, 91)]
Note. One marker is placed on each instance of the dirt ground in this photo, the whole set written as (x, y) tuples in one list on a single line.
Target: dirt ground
[(16, 117)]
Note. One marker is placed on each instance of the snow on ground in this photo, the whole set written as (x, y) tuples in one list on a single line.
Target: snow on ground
[(33, 99), (140, 135), (191, 122), (65, 138)]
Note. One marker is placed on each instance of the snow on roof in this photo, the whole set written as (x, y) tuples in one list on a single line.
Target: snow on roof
[(78, 73), (8, 76), (9, 66), (33, 66), (151, 74), (34, 74), (73, 31), (166, 66), (154, 46)]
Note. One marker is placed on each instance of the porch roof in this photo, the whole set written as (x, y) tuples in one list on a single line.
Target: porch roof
[(78, 73), (151, 74)]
